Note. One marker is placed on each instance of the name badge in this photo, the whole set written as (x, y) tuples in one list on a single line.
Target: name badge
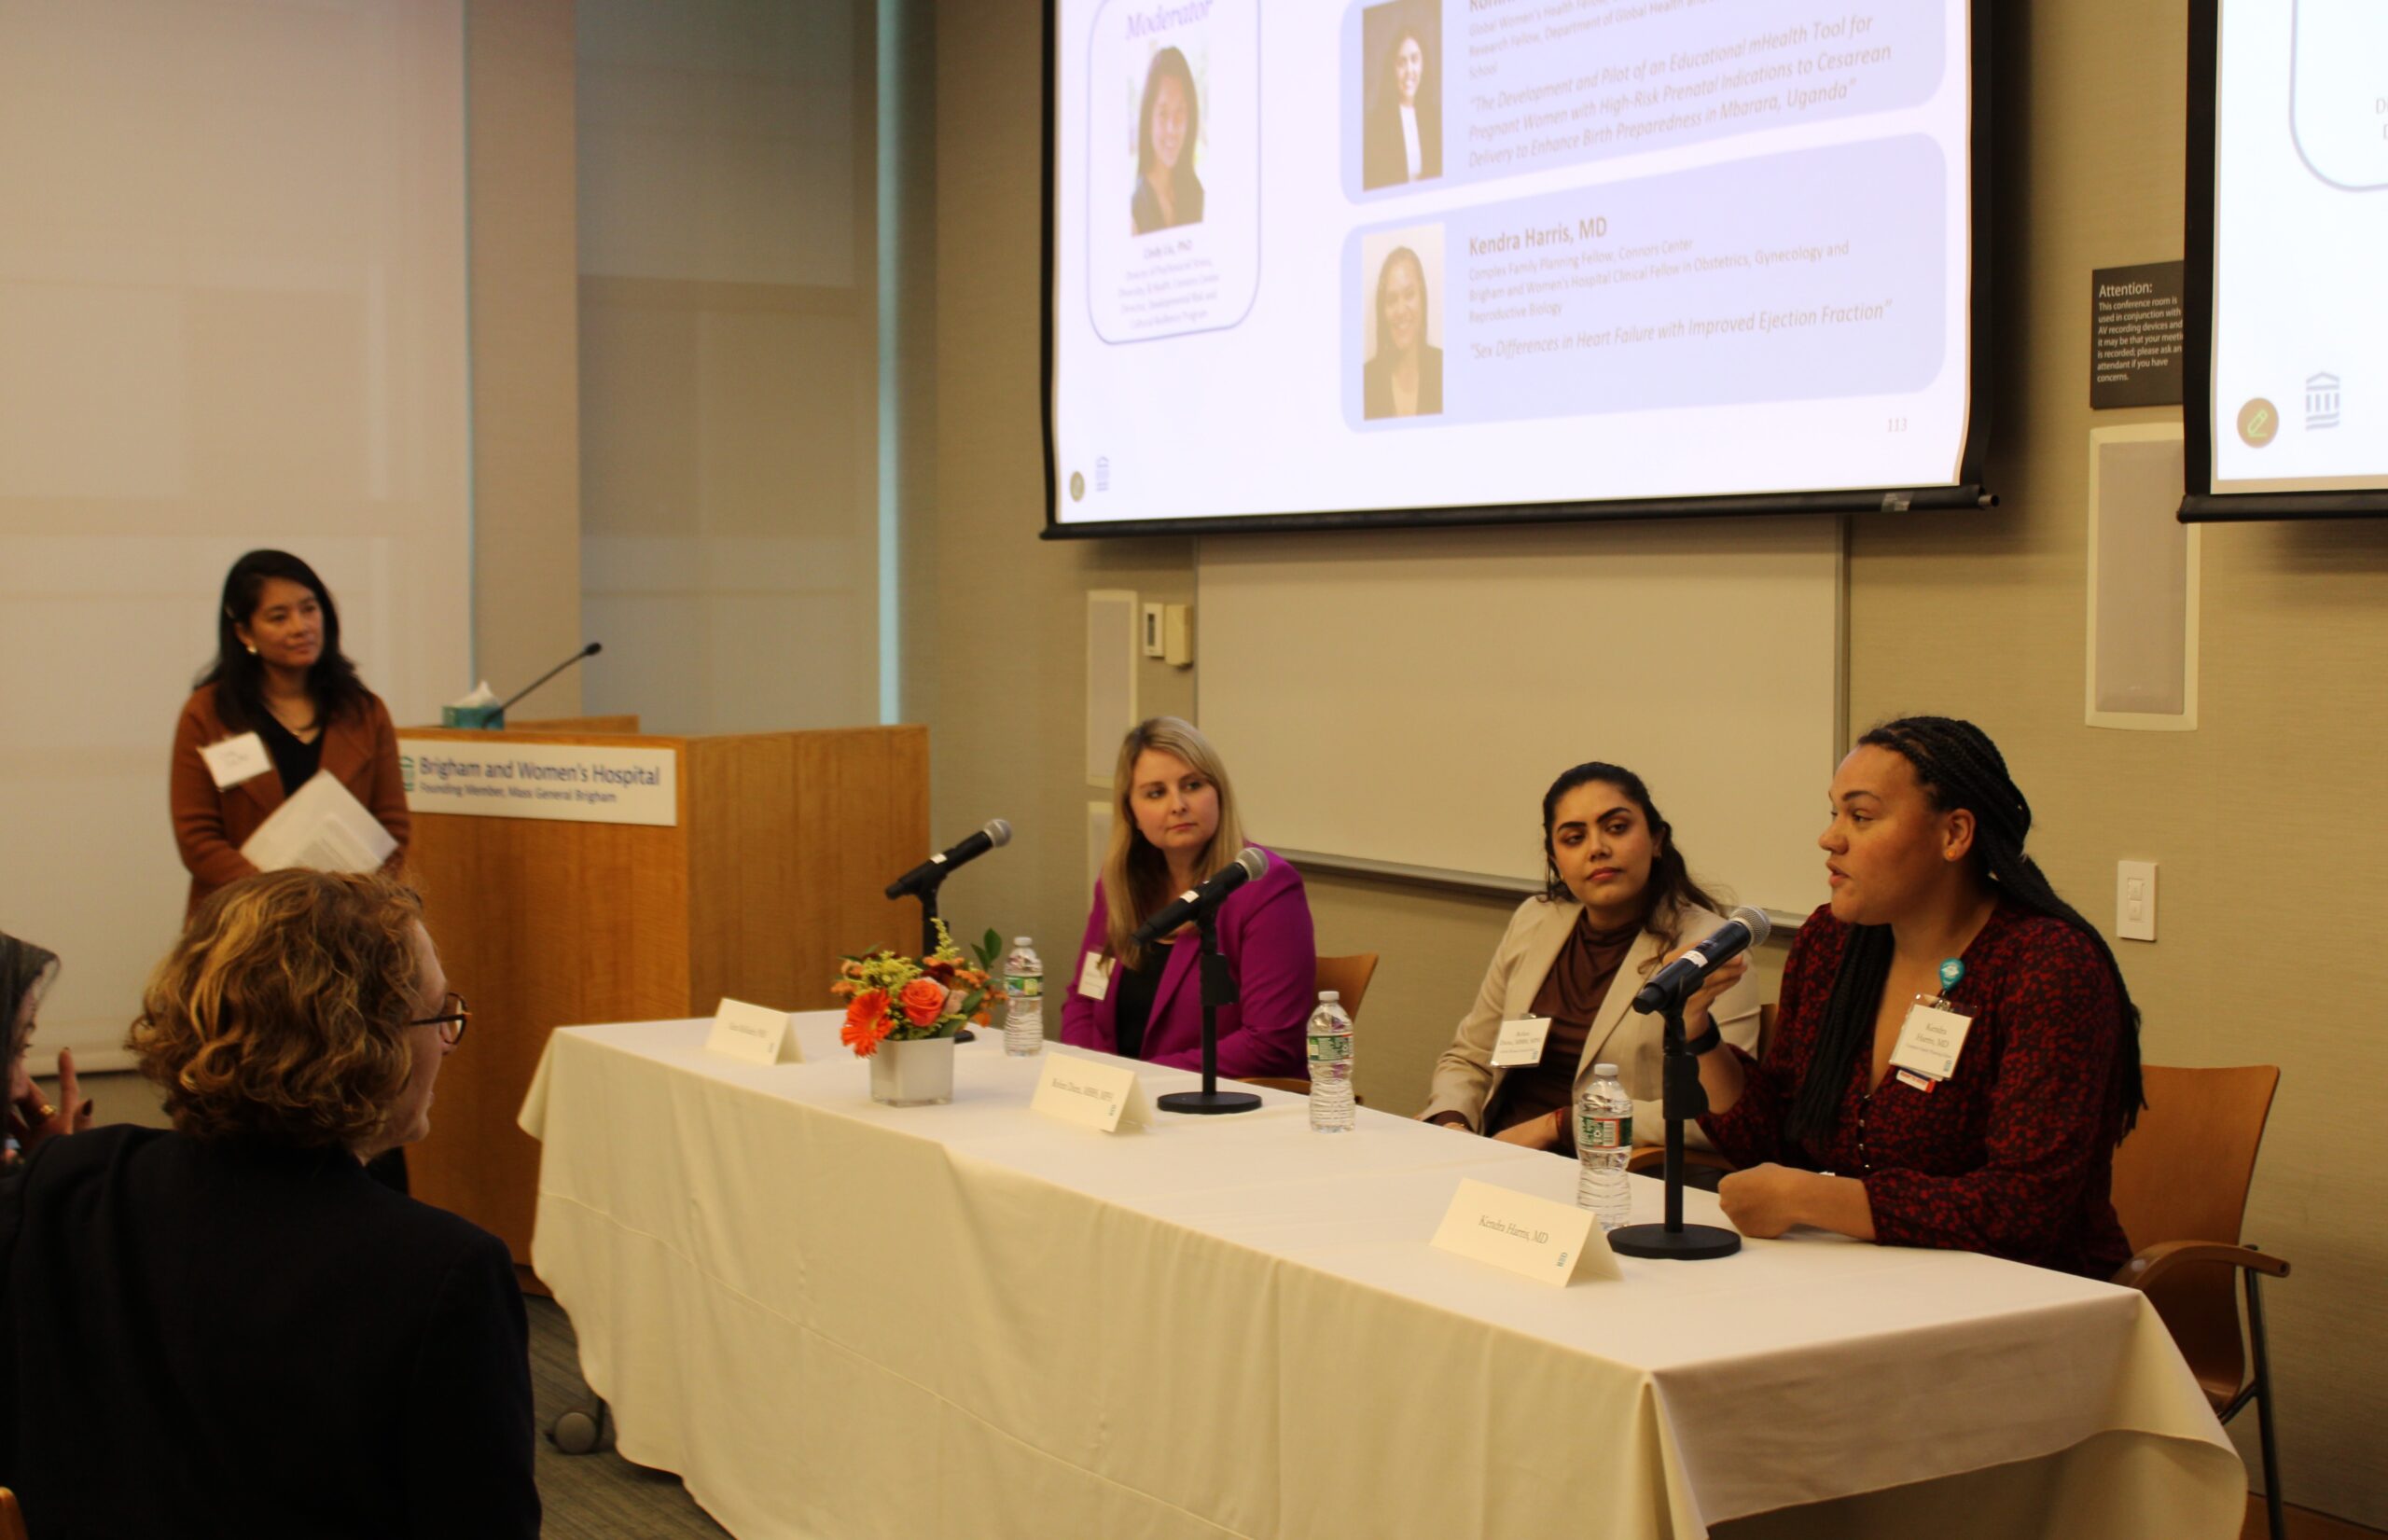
[(1092, 1095), (753, 1035), (1094, 976), (1930, 1040), (1553, 1243), (236, 759), (1521, 1041)]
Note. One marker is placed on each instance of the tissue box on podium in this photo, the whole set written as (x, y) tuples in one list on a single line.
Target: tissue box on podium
[(492, 717)]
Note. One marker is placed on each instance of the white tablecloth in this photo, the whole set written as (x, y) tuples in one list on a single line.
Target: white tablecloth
[(838, 1319)]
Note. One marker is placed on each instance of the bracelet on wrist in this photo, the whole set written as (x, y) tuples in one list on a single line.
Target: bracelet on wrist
[(1706, 1042)]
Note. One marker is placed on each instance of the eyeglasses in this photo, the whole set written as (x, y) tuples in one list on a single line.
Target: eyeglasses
[(453, 1018)]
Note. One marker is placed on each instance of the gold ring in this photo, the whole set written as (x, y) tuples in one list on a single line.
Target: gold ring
[(47, 1112)]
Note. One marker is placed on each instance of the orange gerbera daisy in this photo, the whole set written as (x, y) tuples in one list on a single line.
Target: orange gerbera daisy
[(866, 1022)]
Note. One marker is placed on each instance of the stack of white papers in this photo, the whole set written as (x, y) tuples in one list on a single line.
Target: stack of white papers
[(322, 827)]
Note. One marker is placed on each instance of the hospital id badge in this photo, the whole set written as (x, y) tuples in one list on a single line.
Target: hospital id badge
[(1094, 976), (1930, 1040)]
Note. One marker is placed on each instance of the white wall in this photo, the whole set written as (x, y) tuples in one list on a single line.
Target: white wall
[(232, 314)]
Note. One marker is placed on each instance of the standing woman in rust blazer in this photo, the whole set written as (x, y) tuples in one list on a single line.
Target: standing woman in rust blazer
[(278, 672)]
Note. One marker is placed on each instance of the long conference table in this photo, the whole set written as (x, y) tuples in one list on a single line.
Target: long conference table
[(834, 1318)]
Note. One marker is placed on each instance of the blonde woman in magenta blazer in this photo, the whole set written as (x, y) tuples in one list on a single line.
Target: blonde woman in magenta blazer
[(1174, 824), (1606, 851)]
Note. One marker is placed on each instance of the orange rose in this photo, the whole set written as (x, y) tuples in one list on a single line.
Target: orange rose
[(924, 1002), (866, 1022)]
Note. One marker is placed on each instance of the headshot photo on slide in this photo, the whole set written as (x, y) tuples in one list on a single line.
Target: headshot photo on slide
[(1401, 110), (1401, 322), (1167, 89)]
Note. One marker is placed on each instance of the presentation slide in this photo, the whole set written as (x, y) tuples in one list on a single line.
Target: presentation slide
[(1456, 254), (2300, 225)]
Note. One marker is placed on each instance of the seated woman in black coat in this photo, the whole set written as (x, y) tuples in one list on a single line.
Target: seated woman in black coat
[(230, 1326)]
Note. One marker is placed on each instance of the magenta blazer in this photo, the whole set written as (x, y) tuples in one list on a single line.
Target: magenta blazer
[(1265, 933)]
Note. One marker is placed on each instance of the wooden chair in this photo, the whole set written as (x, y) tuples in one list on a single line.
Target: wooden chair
[(2181, 1191), (1348, 976), (12, 1517)]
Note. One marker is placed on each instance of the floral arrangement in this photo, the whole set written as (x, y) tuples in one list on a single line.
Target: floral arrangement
[(899, 999)]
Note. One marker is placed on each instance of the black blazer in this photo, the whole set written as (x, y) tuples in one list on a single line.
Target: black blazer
[(1384, 158), (199, 1341), (1376, 385)]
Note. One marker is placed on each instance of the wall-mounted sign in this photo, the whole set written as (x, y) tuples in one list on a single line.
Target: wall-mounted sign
[(568, 783), (2135, 332)]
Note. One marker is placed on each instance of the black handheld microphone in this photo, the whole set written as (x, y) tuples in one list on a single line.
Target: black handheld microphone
[(930, 873), (1671, 984), (591, 650), (1197, 902)]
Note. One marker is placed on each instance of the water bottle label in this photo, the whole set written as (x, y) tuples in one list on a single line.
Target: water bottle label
[(1602, 1133), (1025, 986), (1330, 1048)]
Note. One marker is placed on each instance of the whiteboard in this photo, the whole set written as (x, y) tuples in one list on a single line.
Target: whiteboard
[(1406, 696)]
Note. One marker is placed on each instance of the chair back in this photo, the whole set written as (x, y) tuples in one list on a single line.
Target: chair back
[(12, 1517), (2182, 1175), (1348, 976)]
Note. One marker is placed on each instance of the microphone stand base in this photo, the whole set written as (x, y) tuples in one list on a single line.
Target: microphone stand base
[(1691, 1243), (1209, 1101)]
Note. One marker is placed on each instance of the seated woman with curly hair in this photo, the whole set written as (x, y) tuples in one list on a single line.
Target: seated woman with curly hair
[(228, 1324)]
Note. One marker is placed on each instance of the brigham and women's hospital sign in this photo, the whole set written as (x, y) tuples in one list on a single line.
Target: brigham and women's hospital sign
[(573, 783)]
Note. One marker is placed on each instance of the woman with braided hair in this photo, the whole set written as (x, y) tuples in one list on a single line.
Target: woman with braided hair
[(1936, 915)]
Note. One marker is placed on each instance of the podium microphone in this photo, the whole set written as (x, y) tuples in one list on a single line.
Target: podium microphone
[(591, 650), (930, 873), (1197, 902)]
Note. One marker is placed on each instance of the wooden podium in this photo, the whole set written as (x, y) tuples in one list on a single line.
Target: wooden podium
[(776, 865)]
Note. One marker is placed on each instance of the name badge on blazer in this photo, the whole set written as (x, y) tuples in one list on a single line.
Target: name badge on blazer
[(1094, 976), (1520, 1041), (236, 759)]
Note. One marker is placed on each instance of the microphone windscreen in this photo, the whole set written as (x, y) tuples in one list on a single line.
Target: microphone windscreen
[(592, 649), (1756, 921), (999, 831), (1255, 862)]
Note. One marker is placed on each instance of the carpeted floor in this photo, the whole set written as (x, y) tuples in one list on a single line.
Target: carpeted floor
[(598, 1496)]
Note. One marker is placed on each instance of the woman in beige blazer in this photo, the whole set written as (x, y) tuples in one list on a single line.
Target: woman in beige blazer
[(1619, 902)]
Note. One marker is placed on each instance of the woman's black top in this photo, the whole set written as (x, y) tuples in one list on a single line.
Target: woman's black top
[(294, 761), (1137, 988)]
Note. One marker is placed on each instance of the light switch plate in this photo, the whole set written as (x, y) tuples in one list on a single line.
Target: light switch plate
[(2135, 900), (1155, 639)]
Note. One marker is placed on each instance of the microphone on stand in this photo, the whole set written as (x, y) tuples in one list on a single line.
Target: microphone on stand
[(1682, 1098), (591, 650), (923, 881), (930, 873), (1197, 902), (1673, 983)]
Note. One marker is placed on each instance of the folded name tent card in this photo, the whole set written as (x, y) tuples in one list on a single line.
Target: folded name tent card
[(753, 1035), (1553, 1243), (1092, 1095)]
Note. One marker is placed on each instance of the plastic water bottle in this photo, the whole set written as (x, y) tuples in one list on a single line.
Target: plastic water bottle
[(1604, 1144), (1330, 1066), (1024, 1001)]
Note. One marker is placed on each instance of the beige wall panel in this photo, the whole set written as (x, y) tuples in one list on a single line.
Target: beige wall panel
[(527, 396)]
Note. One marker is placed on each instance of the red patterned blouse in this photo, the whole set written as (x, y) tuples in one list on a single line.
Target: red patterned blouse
[(2013, 1154)]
